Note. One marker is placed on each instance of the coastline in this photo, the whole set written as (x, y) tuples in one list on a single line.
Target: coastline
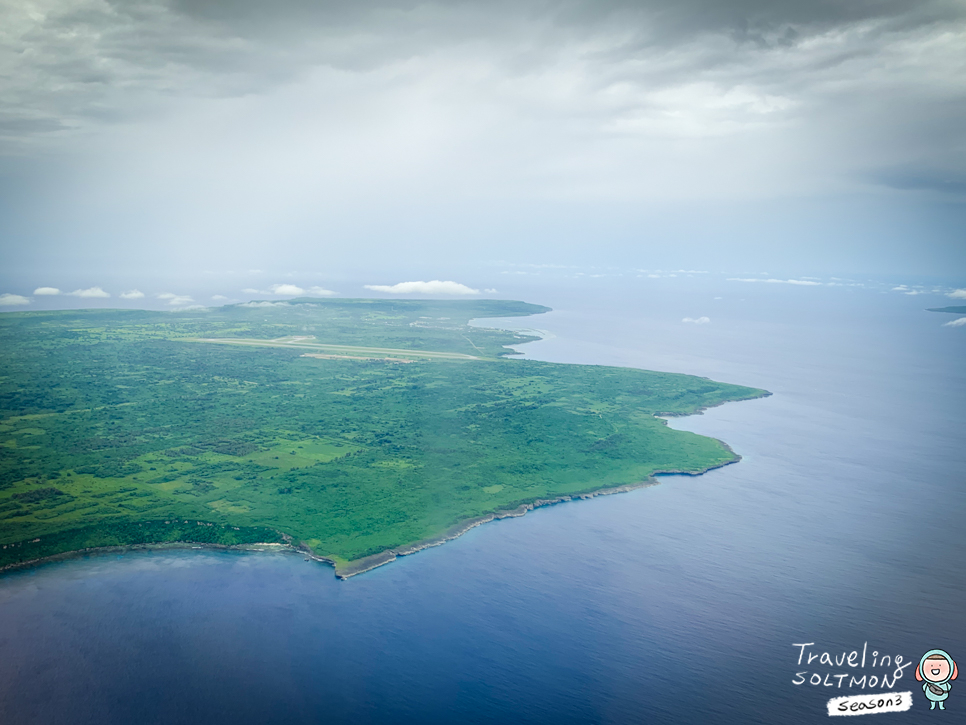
[(345, 570), (700, 411), (361, 566), (368, 563)]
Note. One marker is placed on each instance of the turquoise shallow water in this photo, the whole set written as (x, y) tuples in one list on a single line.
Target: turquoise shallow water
[(843, 524)]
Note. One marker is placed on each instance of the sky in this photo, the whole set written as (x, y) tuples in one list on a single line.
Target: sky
[(154, 145)]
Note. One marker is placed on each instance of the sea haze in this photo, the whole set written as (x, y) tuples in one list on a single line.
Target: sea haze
[(679, 603)]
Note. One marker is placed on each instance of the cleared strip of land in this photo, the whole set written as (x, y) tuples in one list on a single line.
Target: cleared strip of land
[(348, 351)]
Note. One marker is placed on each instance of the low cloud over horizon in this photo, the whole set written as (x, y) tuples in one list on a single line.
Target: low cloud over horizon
[(435, 287), (290, 290), (11, 300), (802, 282), (175, 300), (90, 292)]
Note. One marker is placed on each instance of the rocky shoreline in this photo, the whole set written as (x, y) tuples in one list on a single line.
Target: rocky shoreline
[(353, 568), (360, 566)]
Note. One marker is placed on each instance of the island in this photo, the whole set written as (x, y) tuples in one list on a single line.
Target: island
[(955, 310), (351, 430)]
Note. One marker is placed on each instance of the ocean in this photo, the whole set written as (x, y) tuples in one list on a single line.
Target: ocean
[(841, 528)]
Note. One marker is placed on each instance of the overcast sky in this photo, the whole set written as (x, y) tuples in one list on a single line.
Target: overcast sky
[(400, 140)]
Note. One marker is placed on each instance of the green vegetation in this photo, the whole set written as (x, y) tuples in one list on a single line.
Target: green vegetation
[(352, 426)]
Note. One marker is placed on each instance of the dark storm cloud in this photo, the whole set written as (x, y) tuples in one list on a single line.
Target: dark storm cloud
[(685, 17), (194, 126), (76, 56)]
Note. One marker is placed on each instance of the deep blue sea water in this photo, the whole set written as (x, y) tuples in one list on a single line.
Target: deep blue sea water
[(680, 603)]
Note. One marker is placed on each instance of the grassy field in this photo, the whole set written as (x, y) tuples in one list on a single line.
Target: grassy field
[(132, 427)]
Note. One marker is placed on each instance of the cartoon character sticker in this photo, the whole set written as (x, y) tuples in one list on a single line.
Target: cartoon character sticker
[(936, 670)]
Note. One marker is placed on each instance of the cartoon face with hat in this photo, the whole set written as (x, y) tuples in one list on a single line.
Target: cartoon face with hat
[(936, 670)]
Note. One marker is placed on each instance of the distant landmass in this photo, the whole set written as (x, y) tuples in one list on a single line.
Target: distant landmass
[(352, 430), (960, 310)]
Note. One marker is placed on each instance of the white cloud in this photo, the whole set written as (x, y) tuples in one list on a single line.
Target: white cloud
[(9, 300), (90, 292), (435, 287), (46, 291), (175, 300), (906, 290), (697, 320), (958, 294), (133, 294), (287, 289), (491, 291), (662, 274), (264, 304), (219, 297), (958, 322), (295, 290), (803, 282)]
